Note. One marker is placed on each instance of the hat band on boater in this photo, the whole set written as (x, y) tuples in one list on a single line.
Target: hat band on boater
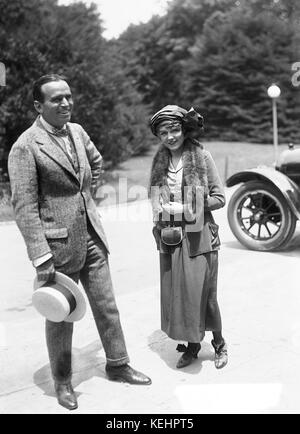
[(68, 295)]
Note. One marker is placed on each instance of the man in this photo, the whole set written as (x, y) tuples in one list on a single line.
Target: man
[(53, 169)]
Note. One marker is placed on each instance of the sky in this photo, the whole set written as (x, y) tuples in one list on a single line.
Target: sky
[(117, 15)]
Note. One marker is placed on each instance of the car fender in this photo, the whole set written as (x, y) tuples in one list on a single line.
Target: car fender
[(281, 182)]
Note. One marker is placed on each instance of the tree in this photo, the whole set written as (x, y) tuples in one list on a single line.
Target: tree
[(157, 51), (233, 62), (220, 55), (39, 37)]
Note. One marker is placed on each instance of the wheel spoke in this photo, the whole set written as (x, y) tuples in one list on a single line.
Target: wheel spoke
[(269, 206), (278, 224), (251, 203), (269, 232), (259, 229), (248, 206), (273, 214), (251, 225)]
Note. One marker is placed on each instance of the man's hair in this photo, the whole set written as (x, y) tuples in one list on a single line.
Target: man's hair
[(37, 85)]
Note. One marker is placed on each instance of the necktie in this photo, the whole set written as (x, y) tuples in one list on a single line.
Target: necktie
[(68, 145), (74, 154), (60, 133)]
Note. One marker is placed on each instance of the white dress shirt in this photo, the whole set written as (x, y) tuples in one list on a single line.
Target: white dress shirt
[(64, 142), (174, 180)]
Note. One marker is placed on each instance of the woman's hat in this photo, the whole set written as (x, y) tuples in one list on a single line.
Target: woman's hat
[(60, 300), (167, 113), (191, 119)]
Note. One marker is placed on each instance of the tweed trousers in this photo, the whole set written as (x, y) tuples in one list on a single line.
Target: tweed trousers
[(96, 281)]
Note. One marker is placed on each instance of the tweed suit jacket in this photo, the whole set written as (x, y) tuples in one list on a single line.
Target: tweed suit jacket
[(52, 202)]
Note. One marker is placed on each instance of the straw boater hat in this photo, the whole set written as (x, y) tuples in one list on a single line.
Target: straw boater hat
[(60, 300)]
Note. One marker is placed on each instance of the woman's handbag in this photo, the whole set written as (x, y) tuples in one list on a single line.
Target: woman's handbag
[(171, 235)]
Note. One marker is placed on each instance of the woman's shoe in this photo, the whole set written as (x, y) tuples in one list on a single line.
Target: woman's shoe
[(221, 355), (190, 353)]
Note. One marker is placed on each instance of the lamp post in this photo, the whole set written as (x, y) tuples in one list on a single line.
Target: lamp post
[(274, 92)]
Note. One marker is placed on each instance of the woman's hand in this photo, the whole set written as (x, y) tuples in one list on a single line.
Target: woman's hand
[(173, 207)]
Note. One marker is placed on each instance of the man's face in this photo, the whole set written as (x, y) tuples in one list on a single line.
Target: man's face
[(57, 106)]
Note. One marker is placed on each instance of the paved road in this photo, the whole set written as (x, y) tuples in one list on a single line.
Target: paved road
[(259, 297)]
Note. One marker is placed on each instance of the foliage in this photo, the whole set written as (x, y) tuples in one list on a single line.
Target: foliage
[(6, 211), (218, 55), (221, 56), (39, 37), (231, 69)]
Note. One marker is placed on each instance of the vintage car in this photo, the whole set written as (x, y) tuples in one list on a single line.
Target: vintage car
[(264, 209)]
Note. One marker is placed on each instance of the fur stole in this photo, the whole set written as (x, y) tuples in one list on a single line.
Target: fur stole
[(193, 162), (194, 171)]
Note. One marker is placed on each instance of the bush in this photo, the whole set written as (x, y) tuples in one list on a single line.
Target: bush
[(6, 211)]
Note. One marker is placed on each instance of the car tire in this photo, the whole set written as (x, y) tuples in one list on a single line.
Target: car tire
[(259, 217)]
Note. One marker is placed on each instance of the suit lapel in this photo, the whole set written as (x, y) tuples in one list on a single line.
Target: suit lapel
[(52, 149)]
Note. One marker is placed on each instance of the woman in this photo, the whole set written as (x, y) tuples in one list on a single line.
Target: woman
[(185, 187)]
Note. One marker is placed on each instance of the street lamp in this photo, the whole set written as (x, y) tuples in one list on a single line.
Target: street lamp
[(274, 92)]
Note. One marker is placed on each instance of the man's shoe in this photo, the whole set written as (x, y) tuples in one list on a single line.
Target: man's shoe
[(66, 396), (221, 354), (126, 374), (189, 355)]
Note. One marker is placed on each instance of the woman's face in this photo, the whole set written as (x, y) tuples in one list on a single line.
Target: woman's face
[(171, 135)]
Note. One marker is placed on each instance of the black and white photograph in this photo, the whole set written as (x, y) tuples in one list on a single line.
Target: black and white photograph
[(149, 209)]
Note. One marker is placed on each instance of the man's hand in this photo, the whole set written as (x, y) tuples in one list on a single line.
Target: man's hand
[(46, 271)]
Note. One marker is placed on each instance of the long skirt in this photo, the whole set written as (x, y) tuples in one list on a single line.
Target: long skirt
[(189, 304)]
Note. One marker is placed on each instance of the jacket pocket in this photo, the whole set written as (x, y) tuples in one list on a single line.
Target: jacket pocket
[(59, 244), (53, 234)]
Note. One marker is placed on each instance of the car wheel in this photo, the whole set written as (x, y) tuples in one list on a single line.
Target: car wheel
[(260, 217)]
